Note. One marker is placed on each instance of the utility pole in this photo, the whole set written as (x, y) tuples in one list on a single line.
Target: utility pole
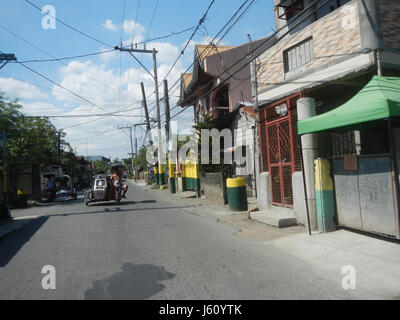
[(5, 58), (167, 113), (5, 211), (146, 113), (59, 148), (254, 89), (155, 77), (130, 136), (160, 151)]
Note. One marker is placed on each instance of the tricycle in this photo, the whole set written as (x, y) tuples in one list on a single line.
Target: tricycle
[(106, 187)]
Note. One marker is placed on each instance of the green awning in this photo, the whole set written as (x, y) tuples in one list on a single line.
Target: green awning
[(379, 99)]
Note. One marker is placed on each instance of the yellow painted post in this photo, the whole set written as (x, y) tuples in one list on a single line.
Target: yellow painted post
[(236, 192), (324, 195), (160, 175), (171, 169), (156, 174)]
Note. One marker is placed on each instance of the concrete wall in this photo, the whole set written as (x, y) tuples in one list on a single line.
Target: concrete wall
[(264, 192), (213, 187), (299, 203)]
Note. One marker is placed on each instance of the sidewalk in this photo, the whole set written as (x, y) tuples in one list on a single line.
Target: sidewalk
[(238, 219), (376, 261)]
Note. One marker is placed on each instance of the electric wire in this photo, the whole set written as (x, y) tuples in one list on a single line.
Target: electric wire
[(69, 26)]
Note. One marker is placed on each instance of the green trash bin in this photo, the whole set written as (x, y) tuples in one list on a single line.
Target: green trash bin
[(22, 199), (236, 192)]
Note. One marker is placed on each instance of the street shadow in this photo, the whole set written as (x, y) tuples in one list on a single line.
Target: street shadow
[(134, 282), (122, 203), (113, 210), (57, 203), (12, 243)]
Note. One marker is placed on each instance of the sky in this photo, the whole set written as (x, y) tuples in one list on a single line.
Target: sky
[(110, 82)]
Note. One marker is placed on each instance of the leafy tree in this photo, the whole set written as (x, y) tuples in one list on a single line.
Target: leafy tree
[(31, 141), (99, 167), (208, 123), (140, 160)]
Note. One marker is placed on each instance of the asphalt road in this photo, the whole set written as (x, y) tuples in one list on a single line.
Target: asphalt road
[(149, 248)]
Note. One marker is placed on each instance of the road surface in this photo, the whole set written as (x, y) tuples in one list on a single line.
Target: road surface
[(149, 248)]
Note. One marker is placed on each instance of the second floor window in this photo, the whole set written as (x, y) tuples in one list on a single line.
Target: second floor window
[(298, 55), (287, 9)]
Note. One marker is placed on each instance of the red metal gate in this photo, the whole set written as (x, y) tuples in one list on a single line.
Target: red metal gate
[(282, 148)]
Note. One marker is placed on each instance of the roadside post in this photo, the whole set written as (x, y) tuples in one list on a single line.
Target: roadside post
[(324, 196), (5, 211), (236, 191), (172, 186)]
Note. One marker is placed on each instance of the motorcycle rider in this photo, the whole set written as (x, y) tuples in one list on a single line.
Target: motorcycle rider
[(115, 177), (49, 188)]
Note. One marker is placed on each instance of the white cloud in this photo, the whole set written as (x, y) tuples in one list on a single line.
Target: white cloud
[(130, 28), (109, 25), (167, 52), (20, 89), (40, 108), (102, 85), (106, 57)]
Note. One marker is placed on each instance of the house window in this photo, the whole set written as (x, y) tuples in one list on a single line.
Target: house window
[(298, 55), (331, 6), (287, 9)]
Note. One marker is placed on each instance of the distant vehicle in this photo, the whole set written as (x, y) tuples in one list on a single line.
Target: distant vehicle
[(64, 188), (103, 188)]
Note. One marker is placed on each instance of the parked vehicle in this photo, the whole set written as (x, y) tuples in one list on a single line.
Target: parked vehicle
[(65, 189)]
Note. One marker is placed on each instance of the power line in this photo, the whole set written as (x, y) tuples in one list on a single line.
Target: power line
[(152, 18), (66, 89), (133, 34), (68, 58), (253, 51), (136, 20), (201, 21), (221, 38), (69, 26), (48, 54), (163, 37), (212, 41)]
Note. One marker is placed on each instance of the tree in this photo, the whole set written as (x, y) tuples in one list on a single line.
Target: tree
[(99, 167), (208, 123), (140, 160), (31, 141)]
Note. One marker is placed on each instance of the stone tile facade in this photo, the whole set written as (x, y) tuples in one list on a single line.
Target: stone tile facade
[(335, 37)]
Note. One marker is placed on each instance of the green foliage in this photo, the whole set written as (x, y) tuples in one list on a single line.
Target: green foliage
[(31, 140), (126, 162), (140, 160), (99, 167), (207, 123)]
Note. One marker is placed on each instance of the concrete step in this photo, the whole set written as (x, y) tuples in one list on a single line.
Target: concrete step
[(277, 217)]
